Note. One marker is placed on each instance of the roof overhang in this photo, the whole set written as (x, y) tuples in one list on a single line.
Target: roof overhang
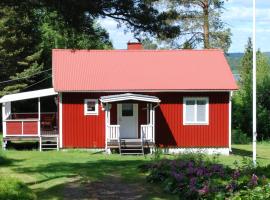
[(128, 97), (28, 95)]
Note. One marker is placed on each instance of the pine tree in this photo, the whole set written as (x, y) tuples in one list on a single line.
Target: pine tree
[(242, 101), (200, 24)]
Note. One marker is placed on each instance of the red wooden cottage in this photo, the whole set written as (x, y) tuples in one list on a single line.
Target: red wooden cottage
[(127, 99)]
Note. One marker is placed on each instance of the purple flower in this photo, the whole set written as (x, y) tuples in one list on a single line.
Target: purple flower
[(231, 186), (199, 171), (253, 181), (192, 183), (236, 174), (190, 164), (204, 190), (191, 170), (178, 176)]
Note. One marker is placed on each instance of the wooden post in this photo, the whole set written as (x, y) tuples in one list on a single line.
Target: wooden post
[(153, 128), (60, 128), (39, 118), (106, 126), (6, 111), (39, 134), (230, 121)]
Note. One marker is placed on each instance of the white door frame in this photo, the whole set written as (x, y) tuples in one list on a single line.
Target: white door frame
[(135, 114)]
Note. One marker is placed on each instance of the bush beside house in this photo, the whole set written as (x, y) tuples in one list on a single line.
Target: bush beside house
[(194, 177)]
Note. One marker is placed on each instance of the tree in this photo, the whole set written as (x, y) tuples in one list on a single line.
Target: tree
[(242, 100), (200, 24), (27, 35), (139, 16)]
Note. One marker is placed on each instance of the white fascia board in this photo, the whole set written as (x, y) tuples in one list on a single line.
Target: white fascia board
[(28, 95), (128, 96)]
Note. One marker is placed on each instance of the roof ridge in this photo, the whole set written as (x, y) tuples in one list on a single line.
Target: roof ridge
[(142, 50)]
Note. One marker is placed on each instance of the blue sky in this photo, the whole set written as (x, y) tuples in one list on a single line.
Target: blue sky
[(237, 15)]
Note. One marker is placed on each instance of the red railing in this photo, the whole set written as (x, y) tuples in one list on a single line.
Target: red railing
[(27, 124), (22, 127)]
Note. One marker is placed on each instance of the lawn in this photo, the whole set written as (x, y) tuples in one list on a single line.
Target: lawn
[(59, 175)]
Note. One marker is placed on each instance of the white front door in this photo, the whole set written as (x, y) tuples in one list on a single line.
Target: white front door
[(127, 118)]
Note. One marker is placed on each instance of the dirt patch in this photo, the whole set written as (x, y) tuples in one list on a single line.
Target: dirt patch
[(111, 187)]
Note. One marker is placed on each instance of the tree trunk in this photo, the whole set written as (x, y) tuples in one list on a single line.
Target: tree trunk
[(206, 24)]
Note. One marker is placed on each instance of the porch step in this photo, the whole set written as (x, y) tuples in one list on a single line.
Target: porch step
[(49, 143), (131, 147)]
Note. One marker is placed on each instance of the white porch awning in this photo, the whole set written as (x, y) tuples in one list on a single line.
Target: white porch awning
[(129, 96), (28, 95)]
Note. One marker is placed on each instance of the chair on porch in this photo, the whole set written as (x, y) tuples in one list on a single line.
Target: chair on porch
[(47, 122)]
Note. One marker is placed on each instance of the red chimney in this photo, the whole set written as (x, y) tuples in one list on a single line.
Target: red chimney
[(134, 46)]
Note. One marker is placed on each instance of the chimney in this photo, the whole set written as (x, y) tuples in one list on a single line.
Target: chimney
[(134, 46)]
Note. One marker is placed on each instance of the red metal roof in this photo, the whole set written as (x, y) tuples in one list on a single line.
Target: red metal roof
[(140, 70)]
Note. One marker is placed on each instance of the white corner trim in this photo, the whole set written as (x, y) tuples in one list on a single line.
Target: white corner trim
[(206, 113), (86, 112), (209, 151), (230, 120), (60, 120)]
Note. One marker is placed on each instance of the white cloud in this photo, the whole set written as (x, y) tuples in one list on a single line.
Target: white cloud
[(118, 35)]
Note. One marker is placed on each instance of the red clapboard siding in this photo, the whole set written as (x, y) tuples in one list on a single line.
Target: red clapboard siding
[(80, 131), (170, 130)]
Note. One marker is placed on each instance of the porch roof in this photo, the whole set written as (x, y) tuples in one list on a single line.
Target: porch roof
[(129, 96), (28, 95)]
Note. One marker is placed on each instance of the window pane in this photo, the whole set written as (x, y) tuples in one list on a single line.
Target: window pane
[(91, 106), (201, 110), (127, 109), (190, 111)]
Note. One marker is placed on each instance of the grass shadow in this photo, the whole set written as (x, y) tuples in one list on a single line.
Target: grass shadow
[(23, 145), (241, 152), (5, 161), (89, 170)]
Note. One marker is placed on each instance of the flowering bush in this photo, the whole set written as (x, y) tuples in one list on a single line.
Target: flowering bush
[(194, 177)]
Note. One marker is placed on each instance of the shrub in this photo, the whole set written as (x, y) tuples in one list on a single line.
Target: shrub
[(257, 193), (195, 177), (12, 189), (239, 137)]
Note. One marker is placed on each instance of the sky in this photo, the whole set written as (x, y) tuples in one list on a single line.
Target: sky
[(237, 15)]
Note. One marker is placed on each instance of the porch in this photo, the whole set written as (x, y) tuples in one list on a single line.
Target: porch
[(31, 126), (127, 132)]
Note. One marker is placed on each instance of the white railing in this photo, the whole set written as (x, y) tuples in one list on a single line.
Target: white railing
[(147, 132), (113, 132)]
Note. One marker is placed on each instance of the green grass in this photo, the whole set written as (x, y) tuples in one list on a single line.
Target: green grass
[(47, 173), (13, 189)]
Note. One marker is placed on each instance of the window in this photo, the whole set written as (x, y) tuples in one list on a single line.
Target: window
[(90, 107), (195, 111), (127, 109)]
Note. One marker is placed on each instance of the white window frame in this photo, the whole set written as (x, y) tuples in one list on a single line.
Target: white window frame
[(185, 99), (86, 112)]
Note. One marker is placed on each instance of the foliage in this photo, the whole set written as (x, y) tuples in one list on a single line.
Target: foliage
[(239, 137), (12, 189), (257, 193), (200, 24), (242, 100), (195, 177), (28, 33)]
